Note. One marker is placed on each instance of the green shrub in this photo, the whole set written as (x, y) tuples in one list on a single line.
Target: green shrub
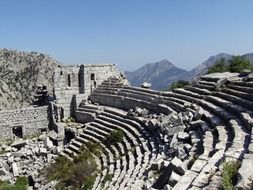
[(114, 137), (229, 174), (76, 174), (88, 182), (219, 67), (108, 177), (21, 184), (236, 64), (179, 84), (70, 119)]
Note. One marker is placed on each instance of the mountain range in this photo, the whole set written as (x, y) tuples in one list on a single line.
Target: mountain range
[(163, 73)]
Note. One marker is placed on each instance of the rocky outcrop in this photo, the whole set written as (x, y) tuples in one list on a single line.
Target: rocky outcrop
[(20, 74)]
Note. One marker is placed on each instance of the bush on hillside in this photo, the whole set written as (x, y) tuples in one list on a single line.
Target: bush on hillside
[(179, 84), (219, 67), (236, 64)]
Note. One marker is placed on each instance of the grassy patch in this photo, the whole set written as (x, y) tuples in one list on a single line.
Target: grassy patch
[(229, 174), (70, 120), (108, 177), (114, 137), (21, 184), (179, 84), (77, 174)]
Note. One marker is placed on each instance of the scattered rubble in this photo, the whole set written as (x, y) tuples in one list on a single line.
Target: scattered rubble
[(27, 158)]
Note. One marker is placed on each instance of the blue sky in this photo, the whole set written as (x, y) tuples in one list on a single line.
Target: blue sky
[(128, 33)]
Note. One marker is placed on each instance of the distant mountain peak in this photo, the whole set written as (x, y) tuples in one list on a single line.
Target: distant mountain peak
[(160, 74)]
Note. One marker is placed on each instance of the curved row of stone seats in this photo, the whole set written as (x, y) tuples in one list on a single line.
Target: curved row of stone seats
[(132, 96), (136, 137), (227, 125), (152, 94), (147, 159), (142, 90), (86, 113), (240, 129), (127, 103), (210, 157)]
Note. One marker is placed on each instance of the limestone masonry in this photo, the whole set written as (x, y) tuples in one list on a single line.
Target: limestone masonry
[(23, 122), (74, 83)]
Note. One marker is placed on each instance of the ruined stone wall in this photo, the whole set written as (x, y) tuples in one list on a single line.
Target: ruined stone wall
[(75, 83), (31, 120)]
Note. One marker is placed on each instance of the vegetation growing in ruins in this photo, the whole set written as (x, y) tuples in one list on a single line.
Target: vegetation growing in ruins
[(21, 184), (77, 174), (229, 174), (70, 119), (108, 177), (114, 137), (236, 64), (179, 84)]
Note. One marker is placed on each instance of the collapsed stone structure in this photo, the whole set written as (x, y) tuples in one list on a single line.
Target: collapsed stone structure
[(172, 140)]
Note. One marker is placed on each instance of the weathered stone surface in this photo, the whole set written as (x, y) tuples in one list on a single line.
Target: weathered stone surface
[(48, 143), (179, 165), (183, 136), (19, 143), (185, 181), (198, 165), (15, 170), (42, 151), (246, 170), (174, 178)]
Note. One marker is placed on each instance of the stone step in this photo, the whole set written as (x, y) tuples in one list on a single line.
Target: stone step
[(239, 94), (204, 86), (90, 127), (197, 90), (245, 89), (105, 90), (235, 99), (208, 83), (242, 83), (94, 134), (87, 110), (188, 93)]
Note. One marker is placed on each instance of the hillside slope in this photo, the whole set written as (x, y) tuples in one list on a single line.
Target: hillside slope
[(20, 73)]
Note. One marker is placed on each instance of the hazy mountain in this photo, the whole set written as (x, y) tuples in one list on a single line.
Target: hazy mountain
[(248, 56), (161, 74), (203, 67), (20, 73)]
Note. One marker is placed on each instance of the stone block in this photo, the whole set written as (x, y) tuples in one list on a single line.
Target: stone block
[(178, 164)]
